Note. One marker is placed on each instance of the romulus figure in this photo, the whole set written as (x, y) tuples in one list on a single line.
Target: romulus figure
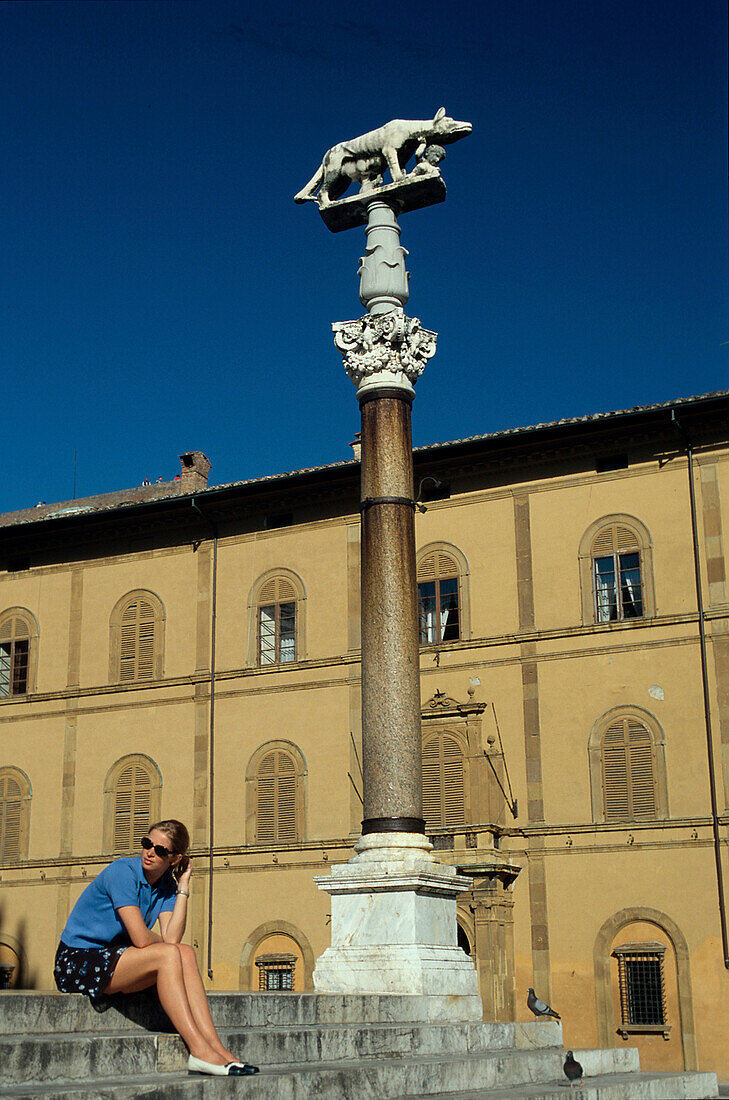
[(108, 945)]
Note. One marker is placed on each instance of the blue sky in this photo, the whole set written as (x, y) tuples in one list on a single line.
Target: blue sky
[(161, 292)]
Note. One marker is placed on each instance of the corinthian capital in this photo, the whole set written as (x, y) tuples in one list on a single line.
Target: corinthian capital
[(384, 350)]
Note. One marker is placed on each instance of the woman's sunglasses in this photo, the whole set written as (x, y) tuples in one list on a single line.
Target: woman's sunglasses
[(159, 849)]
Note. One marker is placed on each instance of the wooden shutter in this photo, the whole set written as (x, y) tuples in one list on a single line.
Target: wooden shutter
[(615, 539), (11, 809), (640, 760), (276, 590), (628, 776), (437, 565), (137, 641), (443, 782), (276, 799), (13, 628), (132, 806)]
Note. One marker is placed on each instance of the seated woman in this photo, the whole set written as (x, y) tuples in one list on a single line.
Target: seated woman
[(107, 945)]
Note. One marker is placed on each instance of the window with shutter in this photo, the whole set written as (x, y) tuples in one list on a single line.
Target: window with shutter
[(15, 643), (443, 782), (14, 807), (137, 638), (276, 799), (438, 598), (132, 806), (277, 622), (617, 574), (628, 773)]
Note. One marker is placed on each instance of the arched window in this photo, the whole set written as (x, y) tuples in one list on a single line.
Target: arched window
[(442, 594), (131, 802), (137, 638), (276, 619), (14, 814), (627, 763), (616, 570), (275, 794), (444, 782), (18, 639)]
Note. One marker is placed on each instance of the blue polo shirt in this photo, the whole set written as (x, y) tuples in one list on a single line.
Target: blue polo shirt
[(94, 920)]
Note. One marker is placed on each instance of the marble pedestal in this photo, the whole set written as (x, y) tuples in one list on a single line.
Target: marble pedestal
[(394, 925)]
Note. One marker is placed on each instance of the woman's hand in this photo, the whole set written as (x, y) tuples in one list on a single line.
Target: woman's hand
[(183, 873)]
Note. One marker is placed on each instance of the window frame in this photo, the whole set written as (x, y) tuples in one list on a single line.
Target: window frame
[(110, 800), (116, 634), (252, 791), (588, 556), (630, 953), (438, 735), (256, 603), (10, 637), (638, 715), (461, 574), (25, 795)]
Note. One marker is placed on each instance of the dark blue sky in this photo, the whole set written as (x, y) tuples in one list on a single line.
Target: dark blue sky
[(161, 291)]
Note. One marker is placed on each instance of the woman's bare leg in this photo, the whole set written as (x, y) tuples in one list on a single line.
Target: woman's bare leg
[(161, 963), (198, 1000)]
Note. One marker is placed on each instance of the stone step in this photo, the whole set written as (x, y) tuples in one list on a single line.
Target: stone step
[(75, 1056), (624, 1086), (23, 1013), (364, 1083)]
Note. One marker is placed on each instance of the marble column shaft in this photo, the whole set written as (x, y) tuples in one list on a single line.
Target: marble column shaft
[(391, 736)]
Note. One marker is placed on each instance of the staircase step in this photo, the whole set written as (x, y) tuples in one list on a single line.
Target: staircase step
[(22, 1013), (374, 1079), (624, 1086)]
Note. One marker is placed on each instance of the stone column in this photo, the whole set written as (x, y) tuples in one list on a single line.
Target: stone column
[(393, 905)]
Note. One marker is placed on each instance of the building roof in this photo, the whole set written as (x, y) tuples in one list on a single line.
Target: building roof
[(170, 491)]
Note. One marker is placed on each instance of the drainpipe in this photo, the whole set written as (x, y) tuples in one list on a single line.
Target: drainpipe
[(705, 684), (211, 742)]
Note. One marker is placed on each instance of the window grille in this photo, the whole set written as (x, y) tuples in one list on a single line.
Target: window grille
[(642, 987), (443, 782), (277, 622), (617, 580), (438, 604), (276, 972)]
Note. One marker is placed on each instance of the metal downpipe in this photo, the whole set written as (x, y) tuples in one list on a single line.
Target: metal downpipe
[(707, 702)]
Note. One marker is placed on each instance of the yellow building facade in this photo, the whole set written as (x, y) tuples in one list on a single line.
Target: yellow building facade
[(190, 651)]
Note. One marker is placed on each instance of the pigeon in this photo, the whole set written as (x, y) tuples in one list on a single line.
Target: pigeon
[(539, 1008), (572, 1069)]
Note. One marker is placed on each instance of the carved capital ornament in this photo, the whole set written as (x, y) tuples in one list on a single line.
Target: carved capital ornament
[(385, 349)]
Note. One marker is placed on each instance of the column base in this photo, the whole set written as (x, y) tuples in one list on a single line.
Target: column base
[(394, 925)]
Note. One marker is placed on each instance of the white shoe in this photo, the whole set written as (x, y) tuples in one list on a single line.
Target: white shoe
[(232, 1069)]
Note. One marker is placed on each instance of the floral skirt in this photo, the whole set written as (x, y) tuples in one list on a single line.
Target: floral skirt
[(85, 969)]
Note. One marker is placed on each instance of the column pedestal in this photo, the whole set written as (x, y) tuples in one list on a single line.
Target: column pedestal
[(394, 926)]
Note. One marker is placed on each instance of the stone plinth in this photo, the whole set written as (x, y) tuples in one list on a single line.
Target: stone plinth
[(394, 925)]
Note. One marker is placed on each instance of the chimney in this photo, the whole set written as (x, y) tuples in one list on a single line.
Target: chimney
[(194, 472), (356, 446)]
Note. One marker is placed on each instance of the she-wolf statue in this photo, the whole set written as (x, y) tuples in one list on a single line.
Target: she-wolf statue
[(365, 158)]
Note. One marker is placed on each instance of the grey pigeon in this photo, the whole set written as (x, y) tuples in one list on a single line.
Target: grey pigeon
[(540, 1008), (572, 1069)]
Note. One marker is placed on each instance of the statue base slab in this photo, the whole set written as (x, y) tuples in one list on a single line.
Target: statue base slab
[(394, 925), (411, 193)]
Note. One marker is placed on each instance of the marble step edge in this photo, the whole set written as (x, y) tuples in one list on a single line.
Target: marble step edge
[(646, 1086), (380, 1077)]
